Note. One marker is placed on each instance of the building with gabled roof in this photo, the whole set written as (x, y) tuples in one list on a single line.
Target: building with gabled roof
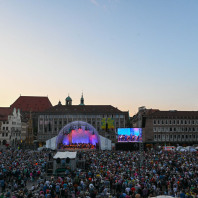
[(31, 105), (10, 126)]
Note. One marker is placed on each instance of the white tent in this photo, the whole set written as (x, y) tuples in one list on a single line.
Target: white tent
[(105, 143), (51, 143), (61, 164), (64, 155), (190, 148)]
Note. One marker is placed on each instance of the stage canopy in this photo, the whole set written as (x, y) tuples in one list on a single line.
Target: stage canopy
[(78, 132), (64, 155)]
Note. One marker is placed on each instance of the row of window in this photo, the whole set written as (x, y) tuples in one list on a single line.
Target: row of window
[(175, 122), (82, 116), (6, 134), (44, 137), (60, 122), (5, 122), (175, 137), (175, 129), (4, 128)]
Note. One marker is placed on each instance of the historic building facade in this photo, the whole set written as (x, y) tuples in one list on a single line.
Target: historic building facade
[(10, 126), (30, 107), (104, 118), (171, 127)]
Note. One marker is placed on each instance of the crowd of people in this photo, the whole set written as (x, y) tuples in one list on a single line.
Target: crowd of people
[(115, 174)]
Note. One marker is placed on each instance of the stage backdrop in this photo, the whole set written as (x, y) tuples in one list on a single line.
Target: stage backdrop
[(78, 132)]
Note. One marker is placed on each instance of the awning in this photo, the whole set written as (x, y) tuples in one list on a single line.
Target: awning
[(64, 155)]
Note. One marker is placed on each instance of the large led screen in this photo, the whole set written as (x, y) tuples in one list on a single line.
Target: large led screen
[(129, 135)]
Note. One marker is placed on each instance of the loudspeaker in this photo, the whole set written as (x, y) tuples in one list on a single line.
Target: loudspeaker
[(58, 160), (67, 160), (143, 122)]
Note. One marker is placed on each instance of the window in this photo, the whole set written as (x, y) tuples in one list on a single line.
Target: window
[(6, 134), (181, 121), (6, 128), (171, 136), (186, 136), (2, 134), (170, 121), (154, 121)]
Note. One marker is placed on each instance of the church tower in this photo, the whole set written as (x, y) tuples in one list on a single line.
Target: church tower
[(82, 100), (68, 101)]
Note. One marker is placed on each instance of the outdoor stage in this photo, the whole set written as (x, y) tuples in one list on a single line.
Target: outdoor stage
[(78, 135)]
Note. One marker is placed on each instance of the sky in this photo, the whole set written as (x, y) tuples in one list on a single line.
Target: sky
[(125, 53)]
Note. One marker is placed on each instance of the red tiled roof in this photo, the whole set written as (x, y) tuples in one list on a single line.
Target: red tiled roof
[(4, 112), (32, 103)]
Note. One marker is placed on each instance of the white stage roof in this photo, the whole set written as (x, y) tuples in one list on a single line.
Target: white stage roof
[(64, 155)]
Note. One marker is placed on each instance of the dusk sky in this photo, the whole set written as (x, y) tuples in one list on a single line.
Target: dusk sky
[(125, 53)]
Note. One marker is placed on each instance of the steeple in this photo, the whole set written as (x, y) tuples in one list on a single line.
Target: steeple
[(59, 103), (68, 100), (82, 100)]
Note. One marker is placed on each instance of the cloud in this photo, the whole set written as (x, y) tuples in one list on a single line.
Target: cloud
[(94, 2)]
